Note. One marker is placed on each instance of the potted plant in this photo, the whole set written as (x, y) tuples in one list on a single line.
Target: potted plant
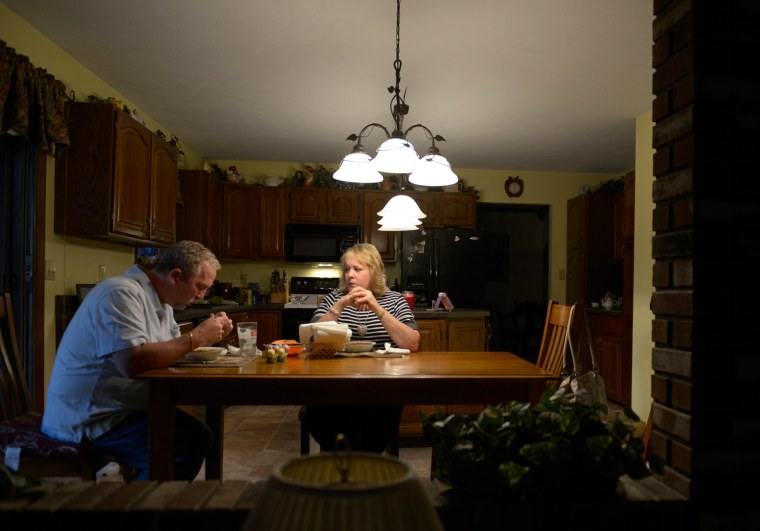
[(555, 450)]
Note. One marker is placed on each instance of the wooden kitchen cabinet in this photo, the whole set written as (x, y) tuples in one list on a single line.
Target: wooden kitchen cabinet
[(374, 201), (607, 340), (432, 334), (600, 232), (117, 181), (446, 209), (199, 218), (456, 210), (467, 334), (269, 325), (272, 210), (240, 221), (222, 215), (592, 269), (319, 205)]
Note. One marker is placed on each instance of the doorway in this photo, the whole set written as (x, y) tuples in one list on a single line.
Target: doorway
[(517, 274), (22, 223)]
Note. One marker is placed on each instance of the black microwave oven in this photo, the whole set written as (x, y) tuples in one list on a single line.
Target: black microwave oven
[(318, 243)]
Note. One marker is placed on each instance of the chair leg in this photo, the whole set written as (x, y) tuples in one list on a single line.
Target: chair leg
[(394, 445), (303, 417)]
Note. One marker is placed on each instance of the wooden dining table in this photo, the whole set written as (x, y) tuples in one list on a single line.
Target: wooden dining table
[(419, 378)]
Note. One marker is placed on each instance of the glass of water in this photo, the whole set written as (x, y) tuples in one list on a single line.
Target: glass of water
[(247, 335)]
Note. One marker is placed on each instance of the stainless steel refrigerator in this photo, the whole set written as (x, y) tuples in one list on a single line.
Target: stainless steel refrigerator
[(444, 260)]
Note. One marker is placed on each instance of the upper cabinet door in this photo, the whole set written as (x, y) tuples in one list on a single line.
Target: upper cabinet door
[(163, 195), (240, 221), (320, 205), (131, 178), (272, 209), (306, 206), (455, 209), (117, 181)]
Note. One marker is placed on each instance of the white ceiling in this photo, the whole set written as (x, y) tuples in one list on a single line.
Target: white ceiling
[(511, 84)]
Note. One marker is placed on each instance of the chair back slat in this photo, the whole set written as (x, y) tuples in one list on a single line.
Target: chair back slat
[(559, 318), (15, 395)]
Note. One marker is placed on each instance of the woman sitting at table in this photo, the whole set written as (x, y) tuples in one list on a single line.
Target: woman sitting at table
[(373, 313)]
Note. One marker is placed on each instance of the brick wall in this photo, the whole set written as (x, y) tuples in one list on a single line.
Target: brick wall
[(706, 358)]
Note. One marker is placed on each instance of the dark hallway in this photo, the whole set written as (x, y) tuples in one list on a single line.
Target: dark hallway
[(516, 270)]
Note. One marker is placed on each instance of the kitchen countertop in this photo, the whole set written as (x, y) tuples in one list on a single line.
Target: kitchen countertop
[(456, 313), (601, 311), (203, 310)]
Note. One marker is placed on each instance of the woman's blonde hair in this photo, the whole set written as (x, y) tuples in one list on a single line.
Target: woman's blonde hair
[(367, 254)]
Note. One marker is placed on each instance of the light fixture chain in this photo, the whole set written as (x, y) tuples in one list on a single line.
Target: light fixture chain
[(396, 112)]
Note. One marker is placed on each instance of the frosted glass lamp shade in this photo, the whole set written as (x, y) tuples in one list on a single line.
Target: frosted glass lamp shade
[(309, 494), (434, 170), (396, 155), (397, 222), (357, 168), (402, 204)]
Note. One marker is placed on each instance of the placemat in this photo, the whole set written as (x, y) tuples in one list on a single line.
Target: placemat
[(369, 354), (222, 361)]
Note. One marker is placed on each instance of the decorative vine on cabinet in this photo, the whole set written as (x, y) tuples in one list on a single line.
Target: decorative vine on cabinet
[(116, 181)]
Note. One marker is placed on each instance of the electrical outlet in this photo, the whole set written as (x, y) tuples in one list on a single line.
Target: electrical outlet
[(101, 272), (244, 279), (49, 269)]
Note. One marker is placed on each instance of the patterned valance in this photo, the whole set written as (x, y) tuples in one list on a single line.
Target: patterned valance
[(32, 102)]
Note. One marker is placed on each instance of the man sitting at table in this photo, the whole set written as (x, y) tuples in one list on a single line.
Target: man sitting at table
[(123, 327)]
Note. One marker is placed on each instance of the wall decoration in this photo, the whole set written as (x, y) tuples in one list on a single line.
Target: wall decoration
[(514, 186)]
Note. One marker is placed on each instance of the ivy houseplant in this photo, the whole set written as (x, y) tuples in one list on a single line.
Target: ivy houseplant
[(553, 450)]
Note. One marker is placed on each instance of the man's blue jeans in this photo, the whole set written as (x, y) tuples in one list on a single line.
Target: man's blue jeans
[(128, 442)]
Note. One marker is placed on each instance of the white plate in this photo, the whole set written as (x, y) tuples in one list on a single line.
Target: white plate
[(205, 353), (358, 346), (394, 350)]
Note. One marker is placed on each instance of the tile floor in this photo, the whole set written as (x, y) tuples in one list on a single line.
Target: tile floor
[(257, 438)]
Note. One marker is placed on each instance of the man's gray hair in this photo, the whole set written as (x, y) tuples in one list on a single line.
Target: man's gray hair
[(187, 256)]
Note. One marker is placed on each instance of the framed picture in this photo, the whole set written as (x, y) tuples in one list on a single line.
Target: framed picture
[(83, 290)]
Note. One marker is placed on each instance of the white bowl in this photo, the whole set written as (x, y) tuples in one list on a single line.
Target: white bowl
[(205, 353), (358, 346)]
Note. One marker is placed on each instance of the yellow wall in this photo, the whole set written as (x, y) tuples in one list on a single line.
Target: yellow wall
[(641, 382), (78, 260)]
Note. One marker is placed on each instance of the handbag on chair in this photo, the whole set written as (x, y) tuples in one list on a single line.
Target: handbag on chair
[(587, 388)]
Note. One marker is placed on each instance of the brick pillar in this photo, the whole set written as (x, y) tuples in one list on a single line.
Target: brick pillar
[(706, 358)]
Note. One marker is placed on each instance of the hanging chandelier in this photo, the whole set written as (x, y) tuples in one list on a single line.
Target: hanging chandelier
[(397, 156)]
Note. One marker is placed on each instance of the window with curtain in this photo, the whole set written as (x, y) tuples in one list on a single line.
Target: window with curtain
[(32, 124), (33, 102)]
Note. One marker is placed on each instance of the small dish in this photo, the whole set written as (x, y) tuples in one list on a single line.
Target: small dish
[(294, 347), (205, 353), (358, 346), (394, 351)]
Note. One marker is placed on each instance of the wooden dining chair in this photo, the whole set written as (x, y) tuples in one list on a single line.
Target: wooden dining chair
[(559, 318), (41, 456)]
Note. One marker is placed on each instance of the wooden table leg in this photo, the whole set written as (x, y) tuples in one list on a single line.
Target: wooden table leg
[(215, 457), (162, 432)]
